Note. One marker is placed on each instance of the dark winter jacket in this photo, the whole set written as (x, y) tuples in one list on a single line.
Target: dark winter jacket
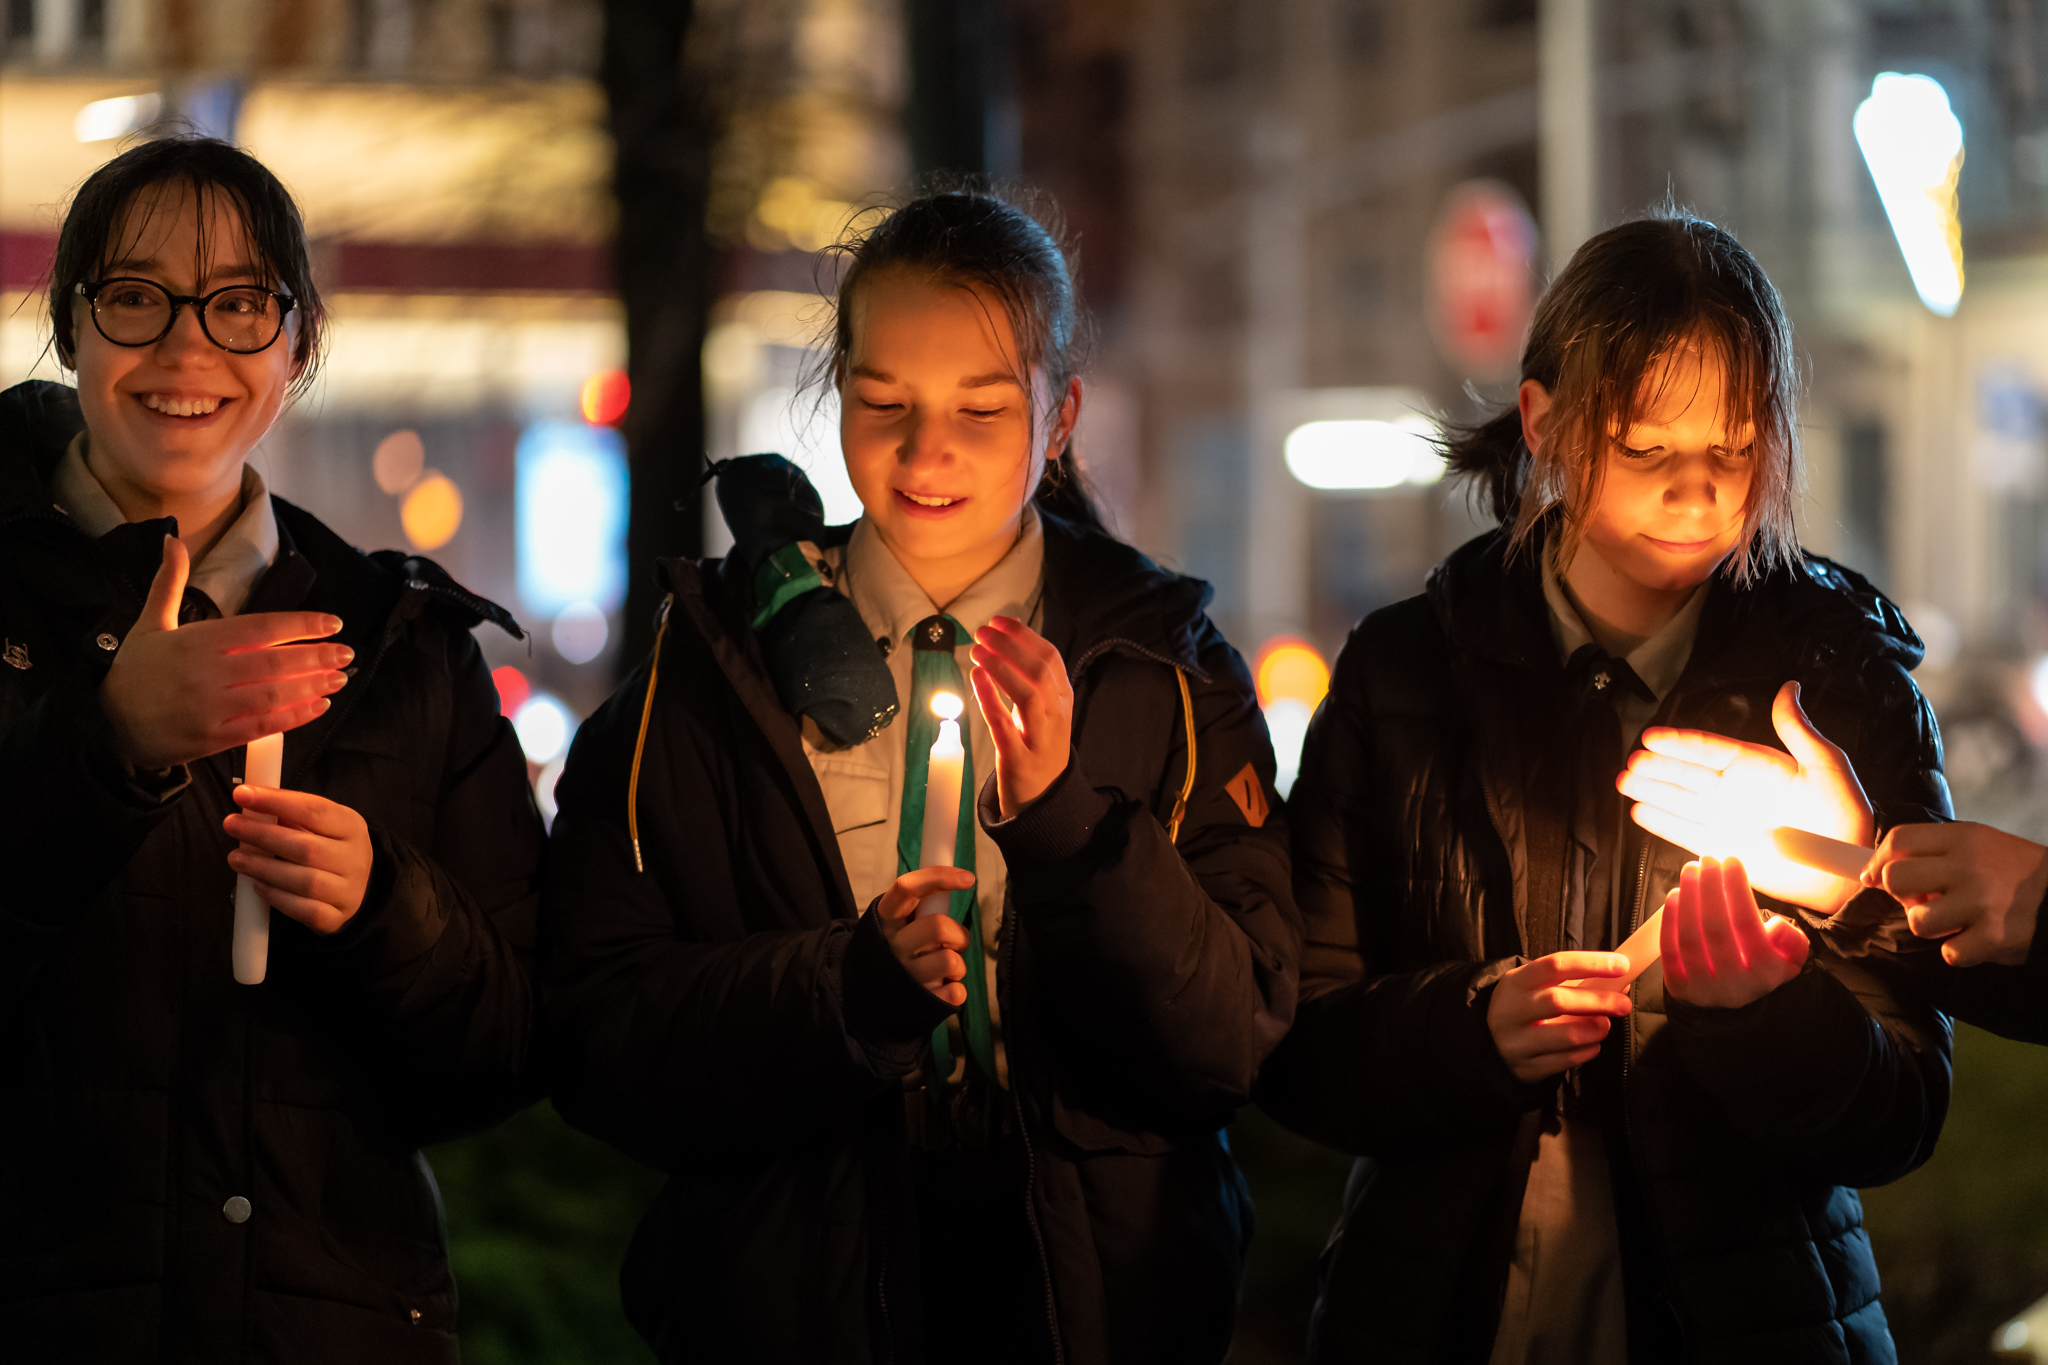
[(729, 1016), (143, 1093), (1746, 1130)]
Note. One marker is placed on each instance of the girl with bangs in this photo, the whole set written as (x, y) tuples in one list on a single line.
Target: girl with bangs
[(962, 1107), (1560, 1160)]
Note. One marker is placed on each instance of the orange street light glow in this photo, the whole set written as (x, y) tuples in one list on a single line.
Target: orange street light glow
[(1290, 669)]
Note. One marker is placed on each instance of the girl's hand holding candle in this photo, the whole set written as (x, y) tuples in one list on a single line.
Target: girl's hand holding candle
[(1026, 698), (179, 693), (306, 856), (930, 946)]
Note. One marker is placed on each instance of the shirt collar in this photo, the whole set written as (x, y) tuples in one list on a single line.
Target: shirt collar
[(1658, 660), (890, 600), (228, 573)]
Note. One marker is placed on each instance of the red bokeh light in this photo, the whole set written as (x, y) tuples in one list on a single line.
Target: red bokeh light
[(513, 689), (605, 397)]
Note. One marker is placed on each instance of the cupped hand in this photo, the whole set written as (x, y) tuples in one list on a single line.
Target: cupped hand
[(1546, 1017), (1713, 795), (1975, 887), (176, 693), (313, 863), (1717, 949), (1021, 682), (930, 948)]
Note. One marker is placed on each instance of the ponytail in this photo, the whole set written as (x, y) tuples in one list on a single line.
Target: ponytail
[(1492, 456), (1064, 493)]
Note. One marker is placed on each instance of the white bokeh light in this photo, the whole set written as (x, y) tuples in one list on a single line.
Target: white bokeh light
[(543, 727), (1913, 144), (1337, 455)]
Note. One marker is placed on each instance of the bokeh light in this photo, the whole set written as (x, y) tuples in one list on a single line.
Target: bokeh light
[(431, 512), (606, 397), (543, 727), (513, 689), (1291, 678), (580, 632), (571, 517), (398, 462)]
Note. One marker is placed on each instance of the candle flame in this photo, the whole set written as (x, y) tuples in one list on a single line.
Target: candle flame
[(946, 706)]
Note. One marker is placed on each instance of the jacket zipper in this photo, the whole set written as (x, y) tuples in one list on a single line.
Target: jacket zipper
[(1052, 1320)]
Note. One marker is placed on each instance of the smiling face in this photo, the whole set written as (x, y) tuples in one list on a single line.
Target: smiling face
[(1674, 488), (942, 442), (169, 424)]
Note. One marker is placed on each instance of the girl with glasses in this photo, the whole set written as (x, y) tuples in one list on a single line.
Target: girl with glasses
[(194, 1168), (986, 1129)]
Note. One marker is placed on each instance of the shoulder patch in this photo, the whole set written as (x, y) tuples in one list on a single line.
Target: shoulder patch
[(1250, 795)]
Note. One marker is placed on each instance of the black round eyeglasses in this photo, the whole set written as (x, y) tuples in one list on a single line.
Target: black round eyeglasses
[(241, 318)]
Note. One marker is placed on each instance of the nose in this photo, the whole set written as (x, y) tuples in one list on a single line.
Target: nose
[(923, 440), (187, 341), (1694, 487)]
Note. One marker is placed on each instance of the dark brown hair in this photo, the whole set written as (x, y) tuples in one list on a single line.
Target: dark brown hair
[(1628, 298), (978, 238), (216, 172)]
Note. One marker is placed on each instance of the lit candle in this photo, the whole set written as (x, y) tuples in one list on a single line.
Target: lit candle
[(942, 798), (263, 766)]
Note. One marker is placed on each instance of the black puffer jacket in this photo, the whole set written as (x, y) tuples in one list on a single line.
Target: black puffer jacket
[(141, 1088), (1747, 1130), (727, 1017)]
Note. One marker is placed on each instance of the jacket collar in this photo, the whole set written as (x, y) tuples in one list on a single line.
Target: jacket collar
[(37, 420), (1492, 607)]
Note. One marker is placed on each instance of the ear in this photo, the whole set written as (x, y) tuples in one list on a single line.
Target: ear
[(1063, 422), (1534, 401)]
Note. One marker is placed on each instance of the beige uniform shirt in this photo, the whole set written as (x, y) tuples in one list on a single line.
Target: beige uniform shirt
[(1565, 1303), (228, 573), (864, 785)]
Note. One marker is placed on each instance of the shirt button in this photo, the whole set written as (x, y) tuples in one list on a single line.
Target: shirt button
[(236, 1210), (108, 642)]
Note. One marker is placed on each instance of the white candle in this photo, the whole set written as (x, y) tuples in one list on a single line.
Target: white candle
[(942, 798), (262, 767), (1821, 853)]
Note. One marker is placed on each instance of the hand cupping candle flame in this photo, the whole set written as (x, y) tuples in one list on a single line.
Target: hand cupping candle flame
[(1796, 819), (1721, 797)]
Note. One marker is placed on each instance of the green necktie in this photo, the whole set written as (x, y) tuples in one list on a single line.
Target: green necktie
[(933, 670)]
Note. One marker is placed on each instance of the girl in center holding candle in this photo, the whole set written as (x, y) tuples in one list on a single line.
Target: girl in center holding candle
[(990, 1133), (1550, 1171)]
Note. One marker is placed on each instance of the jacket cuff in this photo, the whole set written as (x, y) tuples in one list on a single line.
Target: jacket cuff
[(1053, 827), (1744, 1044), (1464, 1042), (886, 1010)]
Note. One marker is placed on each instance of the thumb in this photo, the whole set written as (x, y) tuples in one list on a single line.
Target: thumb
[(1806, 744), (167, 589)]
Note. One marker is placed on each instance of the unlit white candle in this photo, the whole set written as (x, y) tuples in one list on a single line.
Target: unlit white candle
[(262, 767), (942, 799), (1821, 853)]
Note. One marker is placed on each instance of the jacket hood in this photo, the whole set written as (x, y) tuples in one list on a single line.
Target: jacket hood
[(1494, 607), (37, 420)]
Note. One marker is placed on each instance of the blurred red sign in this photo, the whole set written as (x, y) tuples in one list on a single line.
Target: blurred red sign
[(1482, 278)]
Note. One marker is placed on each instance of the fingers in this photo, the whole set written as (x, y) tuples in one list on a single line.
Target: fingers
[(1024, 683), (1558, 968), (1702, 747), (1744, 916), (266, 628), (284, 866), (1789, 943), (1802, 741), (1941, 917), (167, 589), (1696, 778), (1669, 949), (314, 814), (1692, 943), (907, 890), (240, 666), (1682, 802), (1690, 835), (282, 694), (312, 912), (995, 711)]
